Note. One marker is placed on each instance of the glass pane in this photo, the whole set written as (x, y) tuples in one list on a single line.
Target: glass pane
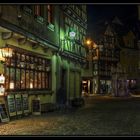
[(12, 78), (43, 79), (7, 61), (7, 78), (22, 79), (22, 57), (27, 79), (46, 79), (39, 80), (43, 68), (35, 82), (27, 62), (12, 62), (31, 79), (18, 59), (18, 79)]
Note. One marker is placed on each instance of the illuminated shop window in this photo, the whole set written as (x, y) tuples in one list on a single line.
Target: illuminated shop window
[(27, 72)]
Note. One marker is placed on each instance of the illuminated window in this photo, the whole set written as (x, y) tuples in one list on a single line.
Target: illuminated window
[(49, 15), (27, 72)]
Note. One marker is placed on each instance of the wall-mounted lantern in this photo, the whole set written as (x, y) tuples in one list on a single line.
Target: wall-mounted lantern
[(6, 52), (72, 33), (2, 79)]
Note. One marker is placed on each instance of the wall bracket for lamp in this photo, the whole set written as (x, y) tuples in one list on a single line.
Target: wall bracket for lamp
[(22, 40), (6, 35), (35, 45)]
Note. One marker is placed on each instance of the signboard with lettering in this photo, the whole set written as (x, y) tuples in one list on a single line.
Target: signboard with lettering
[(18, 104), (3, 113), (11, 105), (25, 103), (36, 107)]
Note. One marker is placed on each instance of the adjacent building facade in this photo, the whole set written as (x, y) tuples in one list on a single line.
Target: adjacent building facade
[(106, 56), (118, 49)]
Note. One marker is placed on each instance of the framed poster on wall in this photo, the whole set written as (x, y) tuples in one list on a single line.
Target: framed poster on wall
[(25, 103), (18, 104), (11, 105), (3, 113)]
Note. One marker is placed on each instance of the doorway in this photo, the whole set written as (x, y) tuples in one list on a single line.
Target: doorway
[(63, 82), (86, 87)]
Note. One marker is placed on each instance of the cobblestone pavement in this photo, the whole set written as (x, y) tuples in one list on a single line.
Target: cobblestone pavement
[(100, 116)]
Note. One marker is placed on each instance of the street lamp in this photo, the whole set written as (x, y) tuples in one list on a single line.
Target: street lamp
[(88, 42), (94, 50), (92, 47), (72, 33)]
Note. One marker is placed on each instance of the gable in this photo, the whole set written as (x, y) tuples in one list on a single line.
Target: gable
[(109, 31), (117, 21)]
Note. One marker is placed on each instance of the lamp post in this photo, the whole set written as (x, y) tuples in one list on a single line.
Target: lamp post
[(92, 53), (94, 50)]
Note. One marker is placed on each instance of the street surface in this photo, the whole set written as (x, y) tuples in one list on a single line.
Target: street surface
[(100, 116)]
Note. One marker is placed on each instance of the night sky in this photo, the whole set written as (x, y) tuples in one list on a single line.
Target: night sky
[(97, 13)]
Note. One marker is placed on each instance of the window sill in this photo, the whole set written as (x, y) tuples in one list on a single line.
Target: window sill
[(34, 92), (44, 92)]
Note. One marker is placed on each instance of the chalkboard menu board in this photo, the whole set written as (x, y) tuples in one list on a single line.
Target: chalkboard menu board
[(18, 104), (3, 113), (25, 103), (36, 107), (11, 105)]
